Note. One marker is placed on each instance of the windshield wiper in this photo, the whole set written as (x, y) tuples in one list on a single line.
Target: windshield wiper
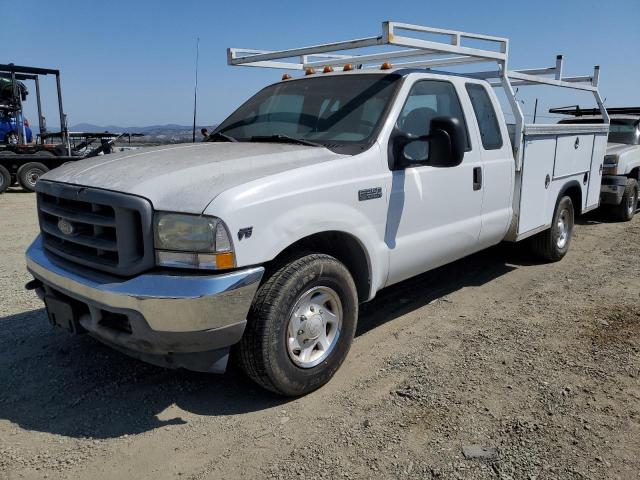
[(284, 139), (219, 136)]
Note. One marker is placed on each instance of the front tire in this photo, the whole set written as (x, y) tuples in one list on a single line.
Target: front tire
[(553, 244), (29, 173), (627, 208), (300, 326)]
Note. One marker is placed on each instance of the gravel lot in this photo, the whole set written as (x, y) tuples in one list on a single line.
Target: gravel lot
[(493, 367)]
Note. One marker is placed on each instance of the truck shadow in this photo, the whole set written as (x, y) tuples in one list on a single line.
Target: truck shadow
[(599, 215), (76, 387)]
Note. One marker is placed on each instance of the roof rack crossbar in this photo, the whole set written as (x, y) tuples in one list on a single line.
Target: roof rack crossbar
[(417, 47)]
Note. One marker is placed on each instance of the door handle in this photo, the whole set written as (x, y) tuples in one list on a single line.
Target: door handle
[(477, 178)]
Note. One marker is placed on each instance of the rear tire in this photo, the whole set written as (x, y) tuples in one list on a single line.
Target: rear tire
[(29, 173), (627, 208), (553, 244), (300, 326), (5, 179)]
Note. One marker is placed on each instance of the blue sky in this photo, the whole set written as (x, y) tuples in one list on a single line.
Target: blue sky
[(132, 63)]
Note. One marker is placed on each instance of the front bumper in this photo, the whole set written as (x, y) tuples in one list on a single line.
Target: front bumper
[(167, 318), (612, 189)]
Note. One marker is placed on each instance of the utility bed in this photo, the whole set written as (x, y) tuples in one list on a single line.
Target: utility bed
[(552, 154)]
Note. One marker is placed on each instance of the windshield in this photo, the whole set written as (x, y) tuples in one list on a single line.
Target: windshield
[(332, 111), (623, 132)]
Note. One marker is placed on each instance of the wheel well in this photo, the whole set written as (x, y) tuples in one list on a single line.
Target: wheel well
[(574, 192), (344, 247), (635, 173)]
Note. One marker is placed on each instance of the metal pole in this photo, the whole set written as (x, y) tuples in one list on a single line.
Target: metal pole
[(63, 124), (195, 91), (40, 120)]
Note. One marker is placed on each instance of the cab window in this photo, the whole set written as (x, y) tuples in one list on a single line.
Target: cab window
[(486, 117)]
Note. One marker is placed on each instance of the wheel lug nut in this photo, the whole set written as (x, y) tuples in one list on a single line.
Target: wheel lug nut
[(311, 308), (303, 318), (300, 332)]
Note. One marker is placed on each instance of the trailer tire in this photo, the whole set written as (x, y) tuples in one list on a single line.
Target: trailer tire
[(5, 179), (553, 244), (14, 178), (311, 300), (627, 208), (29, 173)]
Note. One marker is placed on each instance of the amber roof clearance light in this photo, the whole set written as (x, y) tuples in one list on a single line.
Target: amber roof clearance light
[(386, 66)]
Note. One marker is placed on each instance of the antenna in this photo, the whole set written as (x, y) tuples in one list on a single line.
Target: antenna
[(195, 91)]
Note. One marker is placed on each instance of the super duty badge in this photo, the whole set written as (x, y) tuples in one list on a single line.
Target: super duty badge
[(369, 193)]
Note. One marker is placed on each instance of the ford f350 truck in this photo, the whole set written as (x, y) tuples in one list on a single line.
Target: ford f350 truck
[(621, 168), (312, 196)]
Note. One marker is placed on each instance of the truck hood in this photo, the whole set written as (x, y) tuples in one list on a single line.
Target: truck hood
[(620, 148), (186, 178)]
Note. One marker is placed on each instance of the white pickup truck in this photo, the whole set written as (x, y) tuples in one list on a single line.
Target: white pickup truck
[(621, 168), (311, 197)]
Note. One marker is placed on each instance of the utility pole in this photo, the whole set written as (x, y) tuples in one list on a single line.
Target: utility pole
[(195, 91)]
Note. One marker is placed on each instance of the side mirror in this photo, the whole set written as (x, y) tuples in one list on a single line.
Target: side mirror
[(443, 147)]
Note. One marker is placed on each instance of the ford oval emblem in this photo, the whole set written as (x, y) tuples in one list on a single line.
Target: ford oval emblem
[(66, 227)]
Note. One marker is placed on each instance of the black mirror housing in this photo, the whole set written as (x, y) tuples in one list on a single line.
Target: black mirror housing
[(447, 144)]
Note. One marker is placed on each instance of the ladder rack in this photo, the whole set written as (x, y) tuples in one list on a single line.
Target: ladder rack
[(427, 47)]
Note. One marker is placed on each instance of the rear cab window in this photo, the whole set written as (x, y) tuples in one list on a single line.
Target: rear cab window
[(486, 116)]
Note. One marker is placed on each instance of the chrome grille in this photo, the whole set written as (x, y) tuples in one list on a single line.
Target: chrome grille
[(97, 228)]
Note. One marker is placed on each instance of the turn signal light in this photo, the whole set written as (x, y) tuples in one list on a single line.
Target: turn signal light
[(386, 66)]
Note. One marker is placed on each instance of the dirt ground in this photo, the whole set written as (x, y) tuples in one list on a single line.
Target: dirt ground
[(530, 370)]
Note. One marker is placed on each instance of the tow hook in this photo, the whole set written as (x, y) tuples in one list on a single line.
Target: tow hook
[(36, 285)]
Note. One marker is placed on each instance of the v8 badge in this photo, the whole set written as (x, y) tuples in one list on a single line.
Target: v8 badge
[(245, 233)]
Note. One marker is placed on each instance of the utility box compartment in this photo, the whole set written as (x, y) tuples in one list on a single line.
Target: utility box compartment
[(553, 156)]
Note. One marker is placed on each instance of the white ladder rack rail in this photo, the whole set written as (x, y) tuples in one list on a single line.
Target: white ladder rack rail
[(427, 54)]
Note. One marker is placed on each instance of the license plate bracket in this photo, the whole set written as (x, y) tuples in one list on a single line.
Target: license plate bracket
[(62, 314)]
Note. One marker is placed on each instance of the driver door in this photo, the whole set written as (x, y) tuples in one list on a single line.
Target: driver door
[(434, 214)]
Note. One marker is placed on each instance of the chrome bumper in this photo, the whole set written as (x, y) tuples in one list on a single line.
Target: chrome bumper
[(168, 302)]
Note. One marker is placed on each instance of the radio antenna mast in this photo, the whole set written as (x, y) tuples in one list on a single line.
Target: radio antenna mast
[(195, 91)]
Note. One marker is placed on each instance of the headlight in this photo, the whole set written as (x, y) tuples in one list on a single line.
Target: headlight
[(610, 160), (192, 241)]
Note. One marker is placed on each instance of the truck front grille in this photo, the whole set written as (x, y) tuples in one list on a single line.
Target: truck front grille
[(96, 228)]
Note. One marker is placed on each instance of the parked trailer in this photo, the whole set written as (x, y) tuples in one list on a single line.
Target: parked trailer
[(311, 197), (22, 162)]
